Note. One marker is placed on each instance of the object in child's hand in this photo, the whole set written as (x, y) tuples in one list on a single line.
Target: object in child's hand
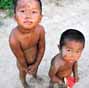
[(70, 81)]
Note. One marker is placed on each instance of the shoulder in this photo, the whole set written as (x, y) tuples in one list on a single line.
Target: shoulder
[(41, 29), (56, 61), (12, 37), (55, 58), (13, 32), (41, 32)]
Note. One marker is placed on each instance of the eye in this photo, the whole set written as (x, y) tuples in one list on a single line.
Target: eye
[(68, 50), (22, 11), (34, 11)]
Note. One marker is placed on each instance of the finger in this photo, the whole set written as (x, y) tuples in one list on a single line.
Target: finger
[(29, 67), (30, 73)]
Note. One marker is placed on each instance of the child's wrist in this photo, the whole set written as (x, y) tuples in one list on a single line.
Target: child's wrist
[(36, 64), (60, 82), (77, 78)]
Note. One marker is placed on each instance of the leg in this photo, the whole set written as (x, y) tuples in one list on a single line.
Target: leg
[(62, 86), (22, 75), (35, 74), (51, 85), (37, 77)]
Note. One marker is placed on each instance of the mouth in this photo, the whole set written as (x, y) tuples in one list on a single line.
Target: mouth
[(28, 22)]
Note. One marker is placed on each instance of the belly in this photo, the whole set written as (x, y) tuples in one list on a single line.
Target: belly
[(30, 55), (62, 74)]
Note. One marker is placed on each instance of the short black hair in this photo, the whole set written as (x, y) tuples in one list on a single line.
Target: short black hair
[(15, 4), (71, 34)]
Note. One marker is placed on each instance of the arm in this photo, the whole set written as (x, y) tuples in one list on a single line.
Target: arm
[(32, 69), (75, 71), (16, 49), (41, 47), (52, 73)]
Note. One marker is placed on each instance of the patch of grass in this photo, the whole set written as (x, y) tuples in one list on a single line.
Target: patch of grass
[(7, 5), (10, 13)]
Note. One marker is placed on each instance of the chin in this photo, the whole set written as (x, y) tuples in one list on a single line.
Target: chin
[(71, 61), (27, 27)]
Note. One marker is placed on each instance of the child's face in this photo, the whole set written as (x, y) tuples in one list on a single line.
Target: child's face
[(28, 13), (72, 50)]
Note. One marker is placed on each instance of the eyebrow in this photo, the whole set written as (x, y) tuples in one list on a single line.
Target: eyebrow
[(24, 7), (19, 7), (71, 48)]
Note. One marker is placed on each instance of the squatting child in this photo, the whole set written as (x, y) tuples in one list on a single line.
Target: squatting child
[(66, 62)]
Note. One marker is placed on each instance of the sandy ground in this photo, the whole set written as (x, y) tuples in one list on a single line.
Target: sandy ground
[(56, 19)]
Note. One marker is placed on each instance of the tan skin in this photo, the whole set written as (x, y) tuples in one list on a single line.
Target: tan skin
[(27, 40), (63, 64)]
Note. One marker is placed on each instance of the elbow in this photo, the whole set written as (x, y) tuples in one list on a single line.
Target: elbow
[(51, 75), (53, 78)]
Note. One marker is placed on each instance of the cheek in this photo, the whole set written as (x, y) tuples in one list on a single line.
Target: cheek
[(78, 56), (19, 18), (36, 17), (20, 15), (64, 52)]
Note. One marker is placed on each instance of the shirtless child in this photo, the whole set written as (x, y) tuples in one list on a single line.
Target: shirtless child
[(27, 39), (65, 63)]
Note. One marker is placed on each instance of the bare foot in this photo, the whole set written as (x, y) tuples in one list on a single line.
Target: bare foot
[(39, 79), (25, 85), (51, 85), (62, 86)]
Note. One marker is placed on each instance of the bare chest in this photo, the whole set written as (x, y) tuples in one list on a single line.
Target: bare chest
[(28, 40), (64, 71)]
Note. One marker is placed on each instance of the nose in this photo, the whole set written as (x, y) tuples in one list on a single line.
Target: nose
[(28, 15), (74, 56)]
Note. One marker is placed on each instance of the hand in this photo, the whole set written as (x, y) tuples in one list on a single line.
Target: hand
[(32, 69), (55, 79), (77, 78), (24, 68), (61, 82)]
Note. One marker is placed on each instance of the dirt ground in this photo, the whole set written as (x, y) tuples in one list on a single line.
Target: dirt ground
[(57, 18)]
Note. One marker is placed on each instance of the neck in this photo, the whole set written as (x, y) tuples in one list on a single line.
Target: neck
[(25, 30)]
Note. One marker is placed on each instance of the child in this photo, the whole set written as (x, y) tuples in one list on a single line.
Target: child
[(27, 39), (64, 63)]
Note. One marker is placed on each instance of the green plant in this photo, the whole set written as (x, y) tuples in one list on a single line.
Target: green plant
[(10, 13), (6, 4)]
